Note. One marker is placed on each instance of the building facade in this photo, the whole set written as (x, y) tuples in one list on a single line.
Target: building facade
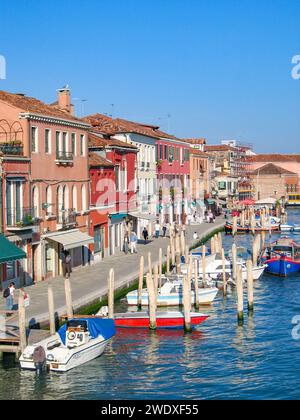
[(55, 142)]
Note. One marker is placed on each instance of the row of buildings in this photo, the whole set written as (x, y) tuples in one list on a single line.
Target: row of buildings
[(73, 184)]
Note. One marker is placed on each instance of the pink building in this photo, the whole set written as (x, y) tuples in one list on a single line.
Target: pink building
[(55, 142)]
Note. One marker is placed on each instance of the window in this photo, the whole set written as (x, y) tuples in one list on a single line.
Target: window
[(83, 198), (73, 140), (160, 151), (34, 140), (47, 140), (57, 141), (74, 198), (97, 239), (60, 203), (64, 142), (35, 201), (222, 186), (14, 202), (117, 174), (48, 201), (82, 145), (166, 152), (11, 270)]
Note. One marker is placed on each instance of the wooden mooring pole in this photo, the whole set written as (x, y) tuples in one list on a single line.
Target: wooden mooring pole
[(51, 310), (111, 289), (250, 286), (168, 260), (152, 302), (204, 265), (196, 283), (68, 294), (240, 295), (224, 273), (22, 323), (187, 303), (141, 282)]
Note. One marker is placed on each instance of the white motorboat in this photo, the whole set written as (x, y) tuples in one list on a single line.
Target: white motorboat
[(286, 228), (171, 294), (77, 342), (214, 270)]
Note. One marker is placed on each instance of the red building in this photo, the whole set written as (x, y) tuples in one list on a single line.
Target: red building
[(173, 175), (113, 191)]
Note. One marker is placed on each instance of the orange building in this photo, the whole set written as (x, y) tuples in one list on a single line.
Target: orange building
[(55, 142)]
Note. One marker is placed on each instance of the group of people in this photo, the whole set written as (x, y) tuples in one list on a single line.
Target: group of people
[(210, 217)]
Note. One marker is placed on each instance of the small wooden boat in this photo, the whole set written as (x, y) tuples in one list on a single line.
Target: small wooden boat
[(247, 228), (169, 319), (171, 294), (77, 342), (282, 258)]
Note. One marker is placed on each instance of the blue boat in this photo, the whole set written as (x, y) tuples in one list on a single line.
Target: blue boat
[(282, 258)]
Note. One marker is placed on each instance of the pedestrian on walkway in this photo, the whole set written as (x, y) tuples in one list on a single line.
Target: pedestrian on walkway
[(126, 243), (8, 294), (164, 230), (157, 229), (133, 242), (66, 263), (145, 235)]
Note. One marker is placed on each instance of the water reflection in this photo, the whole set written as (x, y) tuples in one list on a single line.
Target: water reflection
[(219, 360)]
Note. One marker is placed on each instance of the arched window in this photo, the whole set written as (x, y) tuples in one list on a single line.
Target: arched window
[(66, 198), (74, 198), (83, 198), (59, 203), (49, 210), (35, 201)]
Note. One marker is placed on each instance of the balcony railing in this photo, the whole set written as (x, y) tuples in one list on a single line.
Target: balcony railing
[(62, 156), (21, 217), (13, 149), (67, 217)]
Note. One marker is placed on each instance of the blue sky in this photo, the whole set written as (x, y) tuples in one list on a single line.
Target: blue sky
[(220, 68)]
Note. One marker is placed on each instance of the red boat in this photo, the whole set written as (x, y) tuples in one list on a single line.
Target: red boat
[(163, 319)]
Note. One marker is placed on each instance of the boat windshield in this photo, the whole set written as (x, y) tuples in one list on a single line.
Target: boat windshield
[(283, 249)]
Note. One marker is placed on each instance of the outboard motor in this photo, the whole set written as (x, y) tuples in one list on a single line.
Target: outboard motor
[(39, 359)]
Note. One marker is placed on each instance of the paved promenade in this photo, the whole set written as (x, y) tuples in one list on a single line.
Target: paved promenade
[(90, 283)]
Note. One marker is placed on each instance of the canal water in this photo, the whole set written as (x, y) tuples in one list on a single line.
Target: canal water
[(221, 360)]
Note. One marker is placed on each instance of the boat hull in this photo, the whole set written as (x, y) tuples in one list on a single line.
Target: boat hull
[(282, 267), (206, 297), (75, 357), (163, 320)]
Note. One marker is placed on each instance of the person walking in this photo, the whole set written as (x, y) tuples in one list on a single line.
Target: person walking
[(157, 229), (68, 264), (8, 294), (126, 243), (133, 242), (164, 230), (145, 235)]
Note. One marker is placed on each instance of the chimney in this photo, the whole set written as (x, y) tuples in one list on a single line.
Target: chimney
[(64, 100)]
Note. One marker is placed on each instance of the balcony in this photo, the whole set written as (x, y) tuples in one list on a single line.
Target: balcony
[(64, 158), (21, 218), (67, 218), (11, 149)]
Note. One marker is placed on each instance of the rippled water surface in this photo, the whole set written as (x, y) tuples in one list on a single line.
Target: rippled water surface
[(260, 360)]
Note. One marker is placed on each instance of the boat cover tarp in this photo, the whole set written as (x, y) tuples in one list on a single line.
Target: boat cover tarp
[(96, 327)]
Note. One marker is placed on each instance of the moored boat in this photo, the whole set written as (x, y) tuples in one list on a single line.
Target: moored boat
[(168, 319), (171, 294), (76, 342), (282, 258)]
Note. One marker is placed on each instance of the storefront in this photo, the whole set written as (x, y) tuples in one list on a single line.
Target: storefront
[(117, 228), (73, 241)]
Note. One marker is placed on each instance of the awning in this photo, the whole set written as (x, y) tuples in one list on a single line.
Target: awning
[(118, 217), (71, 239), (143, 216), (9, 251)]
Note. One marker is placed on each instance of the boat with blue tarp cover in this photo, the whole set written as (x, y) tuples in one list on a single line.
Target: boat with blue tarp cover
[(77, 342)]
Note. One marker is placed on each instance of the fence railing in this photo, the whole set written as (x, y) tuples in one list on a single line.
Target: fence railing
[(21, 217)]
